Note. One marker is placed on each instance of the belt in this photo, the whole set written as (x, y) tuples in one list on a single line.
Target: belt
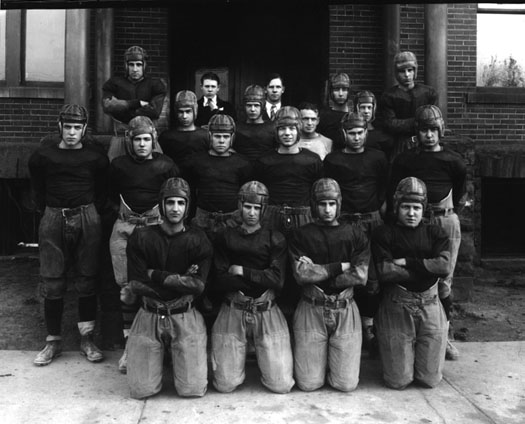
[(330, 304), (250, 305), (217, 216), (139, 220), (289, 210), (167, 311), (439, 212), (70, 212), (359, 216)]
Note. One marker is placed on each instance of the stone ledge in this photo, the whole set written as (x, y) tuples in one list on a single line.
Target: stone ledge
[(504, 263)]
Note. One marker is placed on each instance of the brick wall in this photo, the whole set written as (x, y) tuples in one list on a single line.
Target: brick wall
[(147, 28), (25, 120), (356, 44)]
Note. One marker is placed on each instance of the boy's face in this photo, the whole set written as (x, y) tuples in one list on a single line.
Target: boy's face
[(355, 139), (221, 143), (143, 146), (340, 95), (185, 116), (274, 90), (405, 77), (287, 135), (253, 110), (174, 209), (135, 70), (310, 120), (410, 214), (367, 110), (251, 214), (72, 133), (429, 138), (210, 88), (327, 211)]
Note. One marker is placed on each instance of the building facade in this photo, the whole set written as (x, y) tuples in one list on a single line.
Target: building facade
[(303, 41)]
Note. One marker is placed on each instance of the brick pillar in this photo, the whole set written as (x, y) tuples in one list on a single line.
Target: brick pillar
[(391, 23), (76, 84), (104, 56), (436, 52)]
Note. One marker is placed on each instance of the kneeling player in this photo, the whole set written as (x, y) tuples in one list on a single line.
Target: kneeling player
[(250, 262), (168, 265), (411, 323), (328, 260)]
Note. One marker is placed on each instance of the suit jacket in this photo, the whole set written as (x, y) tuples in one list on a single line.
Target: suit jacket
[(204, 113)]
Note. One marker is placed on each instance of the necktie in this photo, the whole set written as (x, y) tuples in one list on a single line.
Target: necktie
[(211, 105), (272, 112)]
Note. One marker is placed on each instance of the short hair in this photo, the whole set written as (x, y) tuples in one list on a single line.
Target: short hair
[(272, 76), (310, 106), (210, 76)]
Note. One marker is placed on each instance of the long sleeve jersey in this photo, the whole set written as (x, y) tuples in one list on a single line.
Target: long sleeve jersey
[(254, 140), (180, 145), (262, 254), (362, 178), (397, 108), (68, 178), (289, 177), (330, 126), (170, 257), (129, 94), (441, 172), (216, 180), (139, 182), (425, 248), (328, 247)]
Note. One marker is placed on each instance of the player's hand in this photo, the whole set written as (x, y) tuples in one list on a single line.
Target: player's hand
[(306, 260), (193, 269), (127, 296), (236, 270), (400, 262)]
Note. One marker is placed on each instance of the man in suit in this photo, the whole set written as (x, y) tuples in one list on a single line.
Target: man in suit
[(274, 93), (210, 104)]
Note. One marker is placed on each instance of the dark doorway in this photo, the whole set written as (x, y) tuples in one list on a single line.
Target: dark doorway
[(251, 39), (502, 223)]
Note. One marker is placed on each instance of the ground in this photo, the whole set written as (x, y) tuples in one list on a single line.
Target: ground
[(495, 311)]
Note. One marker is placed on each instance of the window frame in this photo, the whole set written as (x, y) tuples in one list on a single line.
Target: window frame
[(496, 95), (14, 85)]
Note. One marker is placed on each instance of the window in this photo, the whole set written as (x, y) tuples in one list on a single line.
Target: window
[(32, 53), (500, 53), (2, 44), (45, 45)]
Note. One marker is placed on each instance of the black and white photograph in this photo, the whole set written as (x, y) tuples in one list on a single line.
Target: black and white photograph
[(262, 211)]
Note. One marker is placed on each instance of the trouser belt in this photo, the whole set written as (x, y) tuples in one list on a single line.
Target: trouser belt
[(138, 219), (289, 210), (439, 212), (330, 304), (250, 305), (70, 212), (167, 311), (360, 216)]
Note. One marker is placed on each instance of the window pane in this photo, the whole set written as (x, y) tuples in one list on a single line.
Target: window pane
[(45, 45), (500, 56), (2, 44)]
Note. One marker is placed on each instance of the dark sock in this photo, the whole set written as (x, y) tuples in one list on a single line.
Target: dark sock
[(53, 310), (87, 308)]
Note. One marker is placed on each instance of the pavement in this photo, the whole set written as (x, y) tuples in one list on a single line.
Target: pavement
[(486, 385)]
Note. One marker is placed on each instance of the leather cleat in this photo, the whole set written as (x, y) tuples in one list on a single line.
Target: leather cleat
[(370, 341), (123, 362), (89, 349), (451, 352), (52, 350)]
